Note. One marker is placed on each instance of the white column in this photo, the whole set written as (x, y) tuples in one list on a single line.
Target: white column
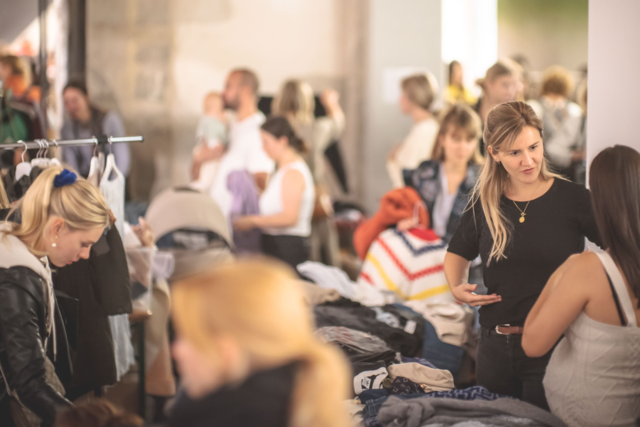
[(403, 36), (614, 87)]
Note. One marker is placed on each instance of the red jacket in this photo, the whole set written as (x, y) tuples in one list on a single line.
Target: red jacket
[(395, 206)]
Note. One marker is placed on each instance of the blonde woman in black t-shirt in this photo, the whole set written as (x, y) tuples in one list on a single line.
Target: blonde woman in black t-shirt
[(524, 221)]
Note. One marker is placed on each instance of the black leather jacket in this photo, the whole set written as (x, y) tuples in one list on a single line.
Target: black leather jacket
[(23, 312)]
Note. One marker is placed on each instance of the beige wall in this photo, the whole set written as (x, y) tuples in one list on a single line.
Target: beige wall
[(278, 39), (153, 60)]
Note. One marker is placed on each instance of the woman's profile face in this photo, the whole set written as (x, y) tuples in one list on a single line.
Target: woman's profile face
[(458, 146), (75, 103), (272, 146), (71, 246), (198, 372), (503, 89), (523, 160), (406, 106), (456, 75)]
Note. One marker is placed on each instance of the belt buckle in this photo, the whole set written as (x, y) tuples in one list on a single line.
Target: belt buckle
[(499, 326)]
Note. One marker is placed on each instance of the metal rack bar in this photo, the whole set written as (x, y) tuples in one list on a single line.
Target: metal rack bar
[(101, 140)]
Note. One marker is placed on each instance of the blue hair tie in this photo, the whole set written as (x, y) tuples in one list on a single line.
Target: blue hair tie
[(66, 177)]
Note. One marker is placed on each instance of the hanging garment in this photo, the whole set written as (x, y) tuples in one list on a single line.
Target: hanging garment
[(101, 285), (245, 202), (113, 191), (96, 166), (159, 380)]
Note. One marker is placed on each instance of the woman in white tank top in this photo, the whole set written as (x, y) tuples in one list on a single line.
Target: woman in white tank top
[(286, 205), (593, 377)]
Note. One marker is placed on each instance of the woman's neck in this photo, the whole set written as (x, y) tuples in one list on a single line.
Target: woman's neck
[(419, 115), (38, 251), (487, 105), (519, 191), (287, 157), (454, 168)]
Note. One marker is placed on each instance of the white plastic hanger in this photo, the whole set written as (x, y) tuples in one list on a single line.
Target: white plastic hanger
[(55, 161), (94, 166), (110, 166), (24, 168), (41, 159)]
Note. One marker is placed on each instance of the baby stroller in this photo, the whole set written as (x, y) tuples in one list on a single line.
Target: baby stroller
[(191, 226)]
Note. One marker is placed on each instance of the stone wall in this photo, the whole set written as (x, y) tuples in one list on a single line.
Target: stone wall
[(153, 61)]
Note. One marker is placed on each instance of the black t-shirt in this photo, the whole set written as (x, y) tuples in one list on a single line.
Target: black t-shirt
[(555, 226)]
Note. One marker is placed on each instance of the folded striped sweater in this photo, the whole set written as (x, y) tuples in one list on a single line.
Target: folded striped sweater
[(410, 264)]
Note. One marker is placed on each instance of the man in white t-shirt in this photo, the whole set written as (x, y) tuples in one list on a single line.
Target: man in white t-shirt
[(245, 150)]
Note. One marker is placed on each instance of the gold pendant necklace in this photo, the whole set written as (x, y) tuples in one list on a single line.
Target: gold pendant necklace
[(522, 212)]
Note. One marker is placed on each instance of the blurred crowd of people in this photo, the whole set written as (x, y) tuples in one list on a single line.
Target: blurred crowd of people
[(465, 282)]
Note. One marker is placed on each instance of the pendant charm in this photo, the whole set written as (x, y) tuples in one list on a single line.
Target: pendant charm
[(521, 218)]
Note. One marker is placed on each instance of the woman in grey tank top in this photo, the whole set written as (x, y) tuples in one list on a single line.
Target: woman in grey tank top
[(593, 377)]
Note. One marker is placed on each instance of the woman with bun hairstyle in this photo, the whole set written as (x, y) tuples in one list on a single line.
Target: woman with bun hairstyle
[(286, 205), (61, 217)]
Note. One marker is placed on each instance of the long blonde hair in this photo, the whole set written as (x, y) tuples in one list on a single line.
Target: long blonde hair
[(261, 306), (504, 123), (80, 205), (294, 101)]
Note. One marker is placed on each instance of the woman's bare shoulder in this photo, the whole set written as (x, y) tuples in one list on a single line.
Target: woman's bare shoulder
[(582, 270)]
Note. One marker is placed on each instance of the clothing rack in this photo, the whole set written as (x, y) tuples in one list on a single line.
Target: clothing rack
[(98, 140)]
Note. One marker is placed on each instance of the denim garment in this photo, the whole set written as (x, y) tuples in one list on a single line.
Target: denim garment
[(440, 354), (425, 179), (368, 395)]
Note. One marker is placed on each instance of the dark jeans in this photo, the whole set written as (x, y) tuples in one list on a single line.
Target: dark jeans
[(293, 250), (503, 368)]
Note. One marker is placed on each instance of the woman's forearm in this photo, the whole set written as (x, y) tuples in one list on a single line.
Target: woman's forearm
[(456, 269), (281, 220)]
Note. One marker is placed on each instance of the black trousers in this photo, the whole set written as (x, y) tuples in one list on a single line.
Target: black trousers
[(503, 368), (292, 250)]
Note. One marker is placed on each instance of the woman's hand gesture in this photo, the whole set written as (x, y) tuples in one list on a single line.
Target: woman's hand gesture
[(466, 293)]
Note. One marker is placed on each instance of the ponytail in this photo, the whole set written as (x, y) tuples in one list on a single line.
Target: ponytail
[(80, 204), (321, 388)]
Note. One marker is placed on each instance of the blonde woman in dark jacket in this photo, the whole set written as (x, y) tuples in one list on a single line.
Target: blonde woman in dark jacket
[(61, 217)]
